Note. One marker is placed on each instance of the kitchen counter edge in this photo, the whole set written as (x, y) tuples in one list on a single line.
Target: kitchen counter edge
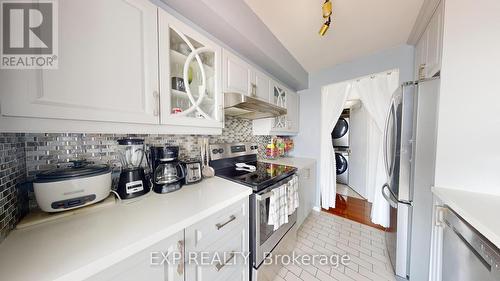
[(13, 271), (478, 209)]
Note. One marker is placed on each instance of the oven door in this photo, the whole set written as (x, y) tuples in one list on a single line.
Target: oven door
[(263, 237)]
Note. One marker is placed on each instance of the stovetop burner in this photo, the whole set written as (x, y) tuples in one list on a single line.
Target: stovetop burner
[(265, 175)]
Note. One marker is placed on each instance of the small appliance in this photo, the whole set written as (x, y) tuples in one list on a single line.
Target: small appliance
[(193, 171), (71, 187), (133, 180), (168, 172)]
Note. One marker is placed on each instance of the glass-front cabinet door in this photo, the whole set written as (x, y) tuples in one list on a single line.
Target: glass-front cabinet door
[(190, 72), (279, 98)]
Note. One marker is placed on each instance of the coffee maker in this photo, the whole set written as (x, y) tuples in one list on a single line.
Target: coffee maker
[(133, 180), (168, 171)]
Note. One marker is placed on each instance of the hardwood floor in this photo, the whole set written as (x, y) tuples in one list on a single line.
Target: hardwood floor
[(354, 209)]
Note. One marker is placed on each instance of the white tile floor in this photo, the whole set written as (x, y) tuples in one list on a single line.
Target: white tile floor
[(323, 233)]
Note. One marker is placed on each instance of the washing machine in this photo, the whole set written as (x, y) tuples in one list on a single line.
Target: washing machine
[(340, 134), (342, 163)]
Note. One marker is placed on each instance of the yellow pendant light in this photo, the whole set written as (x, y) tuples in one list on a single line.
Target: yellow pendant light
[(327, 13)]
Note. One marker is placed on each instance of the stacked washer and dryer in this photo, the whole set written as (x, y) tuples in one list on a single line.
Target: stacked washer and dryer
[(340, 141)]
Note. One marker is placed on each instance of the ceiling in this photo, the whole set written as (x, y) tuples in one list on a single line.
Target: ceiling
[(359, 28)]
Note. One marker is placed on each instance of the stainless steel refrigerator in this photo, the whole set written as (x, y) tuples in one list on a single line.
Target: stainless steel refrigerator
[(409, 157)]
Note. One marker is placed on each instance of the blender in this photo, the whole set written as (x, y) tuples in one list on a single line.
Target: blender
[(133, 181)]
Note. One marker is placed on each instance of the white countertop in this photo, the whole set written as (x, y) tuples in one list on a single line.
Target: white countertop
[(297, 162), (76, 247), (478, 209)]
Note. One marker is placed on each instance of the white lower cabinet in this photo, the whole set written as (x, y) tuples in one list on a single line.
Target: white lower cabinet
[(149, 264), (307, 192), (224, 234)]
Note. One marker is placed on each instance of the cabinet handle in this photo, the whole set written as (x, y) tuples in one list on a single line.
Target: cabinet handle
[(254, 90), (156, 110), (180, 266), (221, 225), (421, 71), (219, 266), (307, 174), (440, 213)]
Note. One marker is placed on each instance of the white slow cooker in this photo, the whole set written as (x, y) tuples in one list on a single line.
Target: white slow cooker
[(72, 187)]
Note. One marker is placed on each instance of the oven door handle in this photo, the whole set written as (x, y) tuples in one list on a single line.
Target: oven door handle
[(264, 196), (268, 194)]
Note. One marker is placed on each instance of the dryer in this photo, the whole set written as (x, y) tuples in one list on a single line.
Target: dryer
[(340, 134), (342, 167)]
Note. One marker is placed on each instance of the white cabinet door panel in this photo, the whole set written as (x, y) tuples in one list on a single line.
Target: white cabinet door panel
[(434, 44), (307, 192), (293, 112), (236, 74), (262, 85), (195, 99), (149, 264), (108, 66)]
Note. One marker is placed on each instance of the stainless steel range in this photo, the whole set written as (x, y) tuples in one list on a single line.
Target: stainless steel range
[(238, 162)]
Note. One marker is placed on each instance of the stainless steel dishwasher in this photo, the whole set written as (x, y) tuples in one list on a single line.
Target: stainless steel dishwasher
[(467, 255)]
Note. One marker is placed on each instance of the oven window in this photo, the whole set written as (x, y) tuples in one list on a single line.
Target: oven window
[(266, 230)]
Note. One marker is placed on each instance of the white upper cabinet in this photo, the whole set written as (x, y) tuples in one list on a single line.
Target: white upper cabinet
[(421, 57), (279, 96), (190, 75), (292, 115), (429, 47), (241, 77), (236, 74), (108, 67), (283, 125), (260, 85), (435, 42)]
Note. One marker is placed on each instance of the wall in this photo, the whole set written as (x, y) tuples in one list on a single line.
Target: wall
[(468, 150), (22, 156), (307, 142), (359, 150), (235, 24)]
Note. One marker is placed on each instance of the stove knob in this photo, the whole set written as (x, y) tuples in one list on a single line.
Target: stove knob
[(220, 150), (214, 151)]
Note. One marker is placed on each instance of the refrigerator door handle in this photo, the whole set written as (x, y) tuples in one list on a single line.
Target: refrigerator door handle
[(391, 197), (387, 197), (386, 129)]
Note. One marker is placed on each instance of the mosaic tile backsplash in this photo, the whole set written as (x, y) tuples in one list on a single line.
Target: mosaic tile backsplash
[(22, 156), (12, 174)]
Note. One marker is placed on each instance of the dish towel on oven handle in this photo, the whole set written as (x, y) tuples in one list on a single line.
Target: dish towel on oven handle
[(278, 207), (293, 194)]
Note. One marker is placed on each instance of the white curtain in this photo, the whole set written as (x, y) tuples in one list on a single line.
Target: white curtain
[(333, 98), (375, 94)]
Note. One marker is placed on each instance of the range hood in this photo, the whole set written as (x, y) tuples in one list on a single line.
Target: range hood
[(242, 106)]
